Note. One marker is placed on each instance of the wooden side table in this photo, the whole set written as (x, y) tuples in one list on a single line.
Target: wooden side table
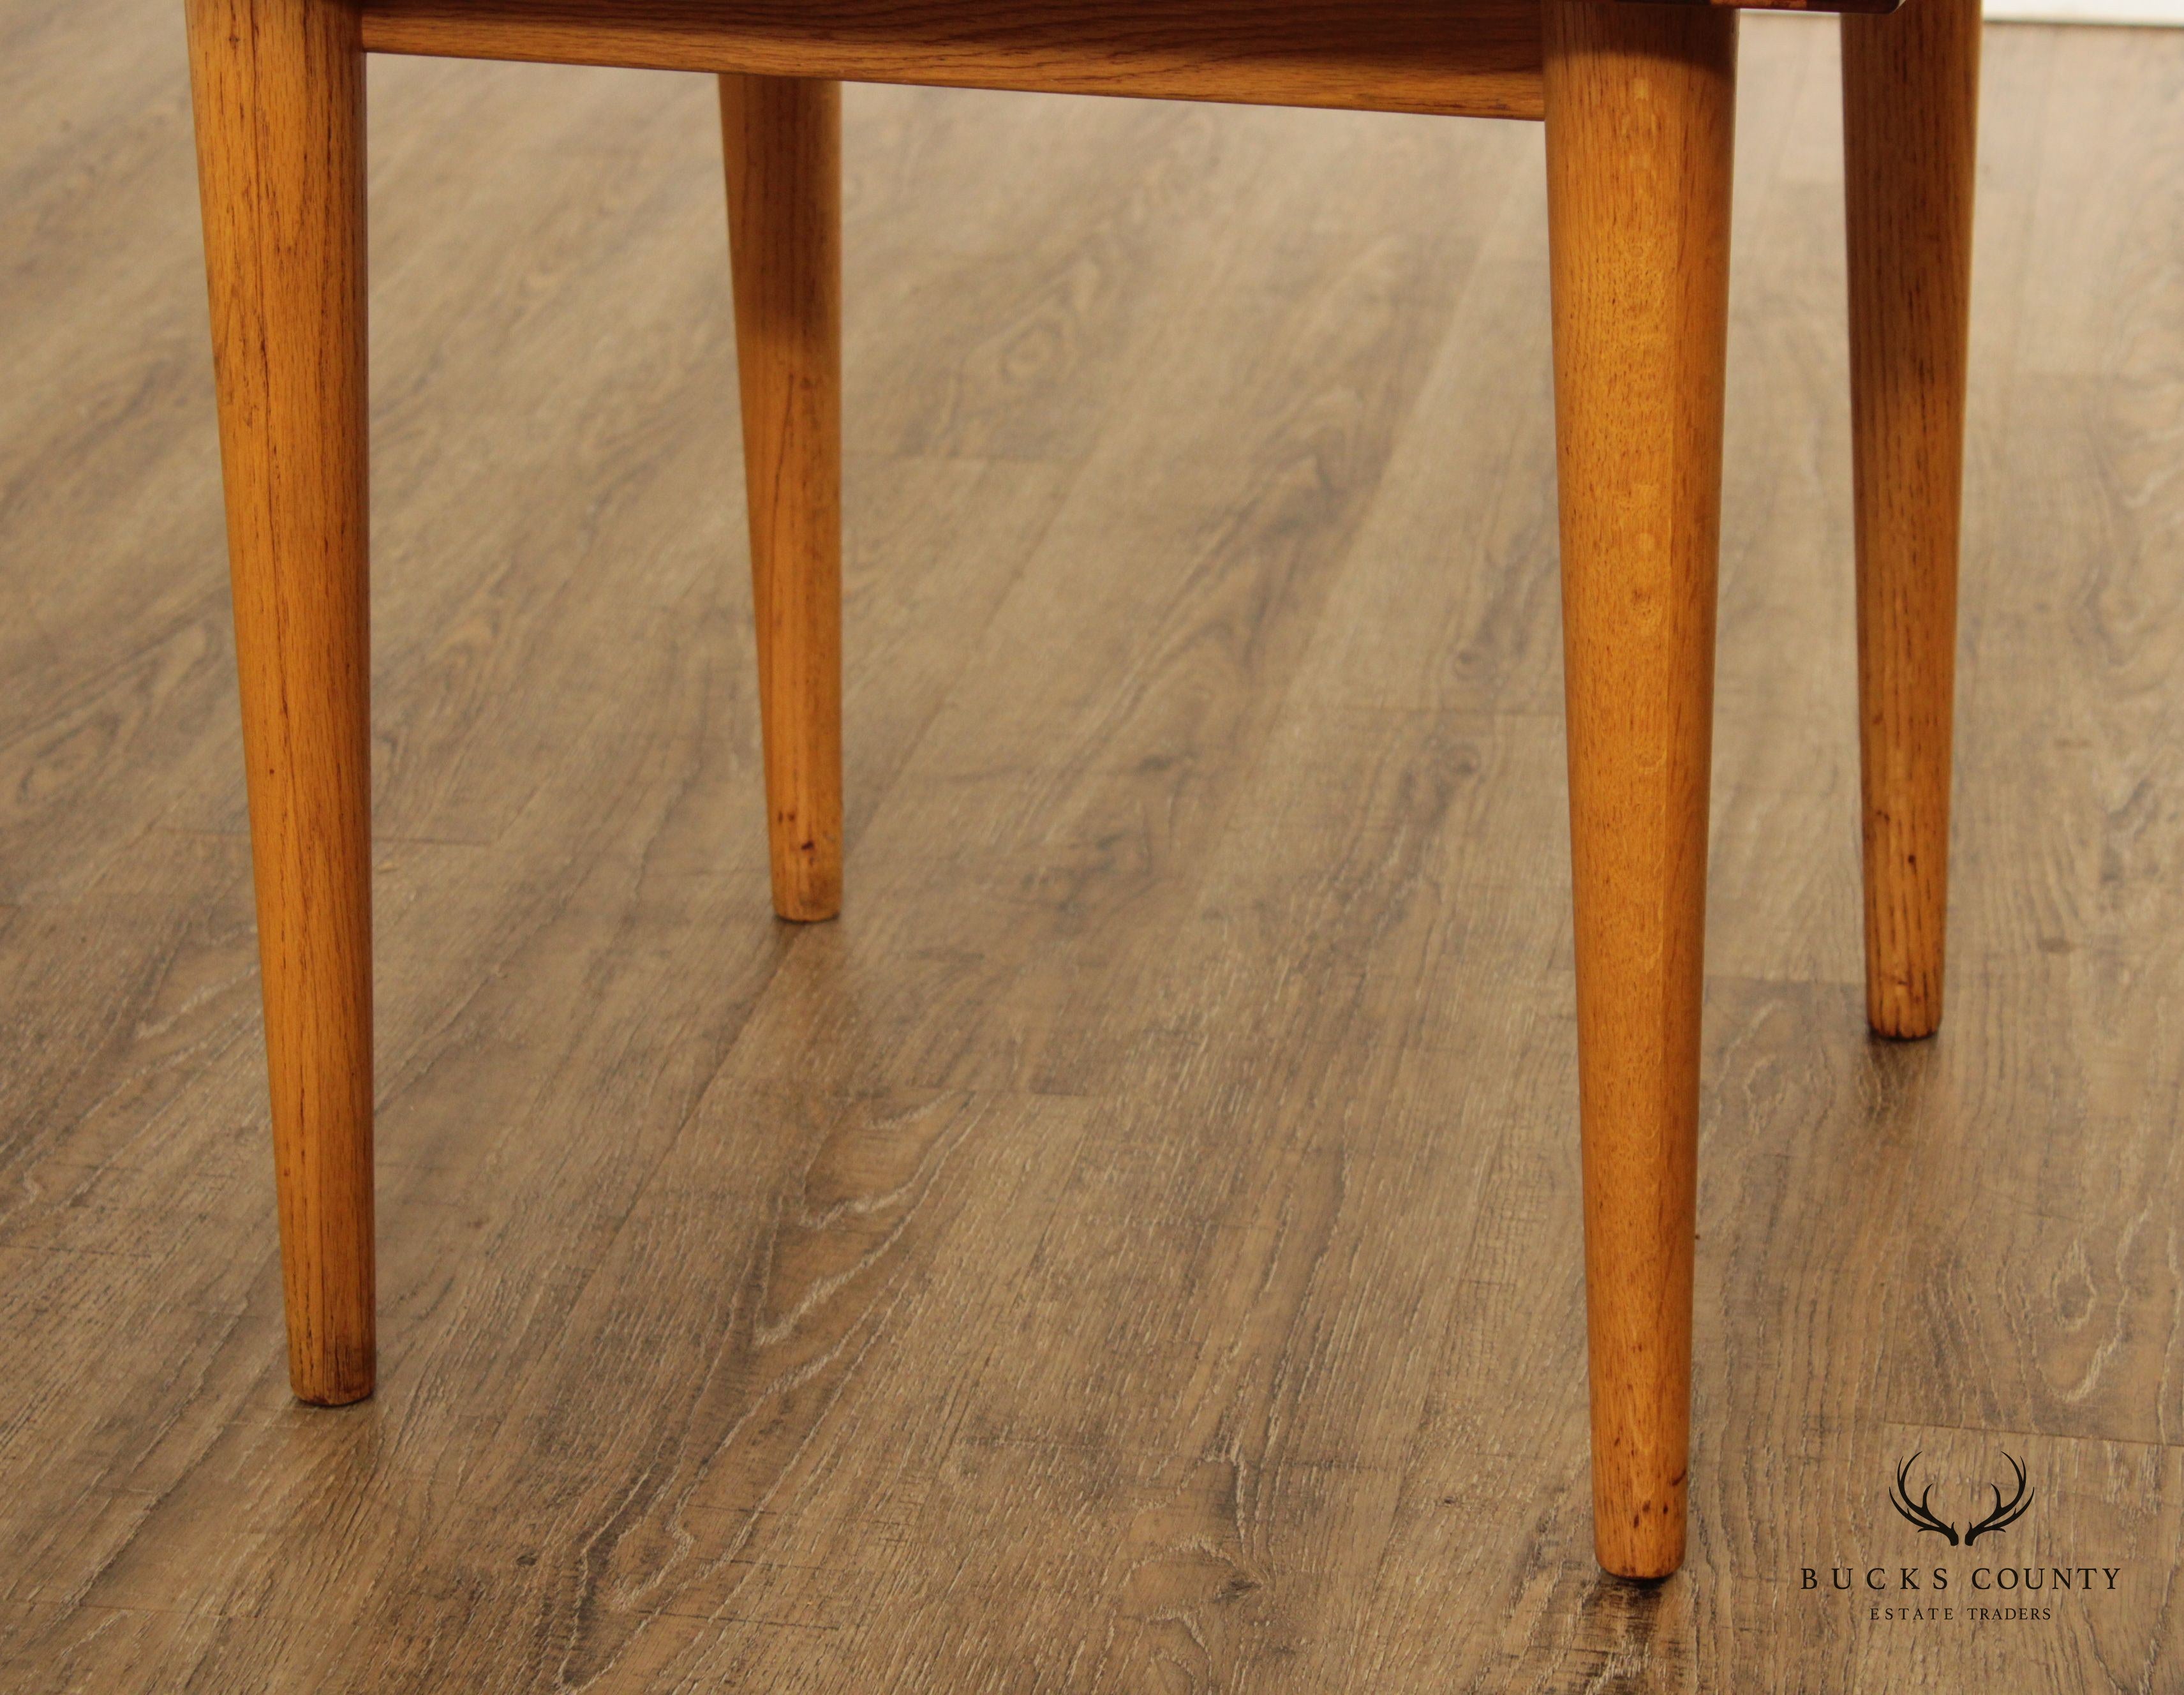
[(1639, 103)]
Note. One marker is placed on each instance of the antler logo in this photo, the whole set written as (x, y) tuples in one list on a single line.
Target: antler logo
[(1918, 1513), (2004, 1514)]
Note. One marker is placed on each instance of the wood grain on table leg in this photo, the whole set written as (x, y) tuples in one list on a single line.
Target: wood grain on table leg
[(279, 92), (1640, 107), (783, 146), (1910, 128)]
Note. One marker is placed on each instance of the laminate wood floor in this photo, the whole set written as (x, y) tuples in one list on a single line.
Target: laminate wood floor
[(1136, 1249)]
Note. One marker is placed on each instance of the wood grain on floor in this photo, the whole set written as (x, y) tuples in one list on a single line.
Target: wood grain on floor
[(1136, 1248)]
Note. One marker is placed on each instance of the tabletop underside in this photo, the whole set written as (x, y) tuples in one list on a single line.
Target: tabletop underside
[(1469, 57)]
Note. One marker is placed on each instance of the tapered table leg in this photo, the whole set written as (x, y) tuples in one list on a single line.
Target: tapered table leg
[(278, 87), (1910, 127), (1640, 107), (785, 164)]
